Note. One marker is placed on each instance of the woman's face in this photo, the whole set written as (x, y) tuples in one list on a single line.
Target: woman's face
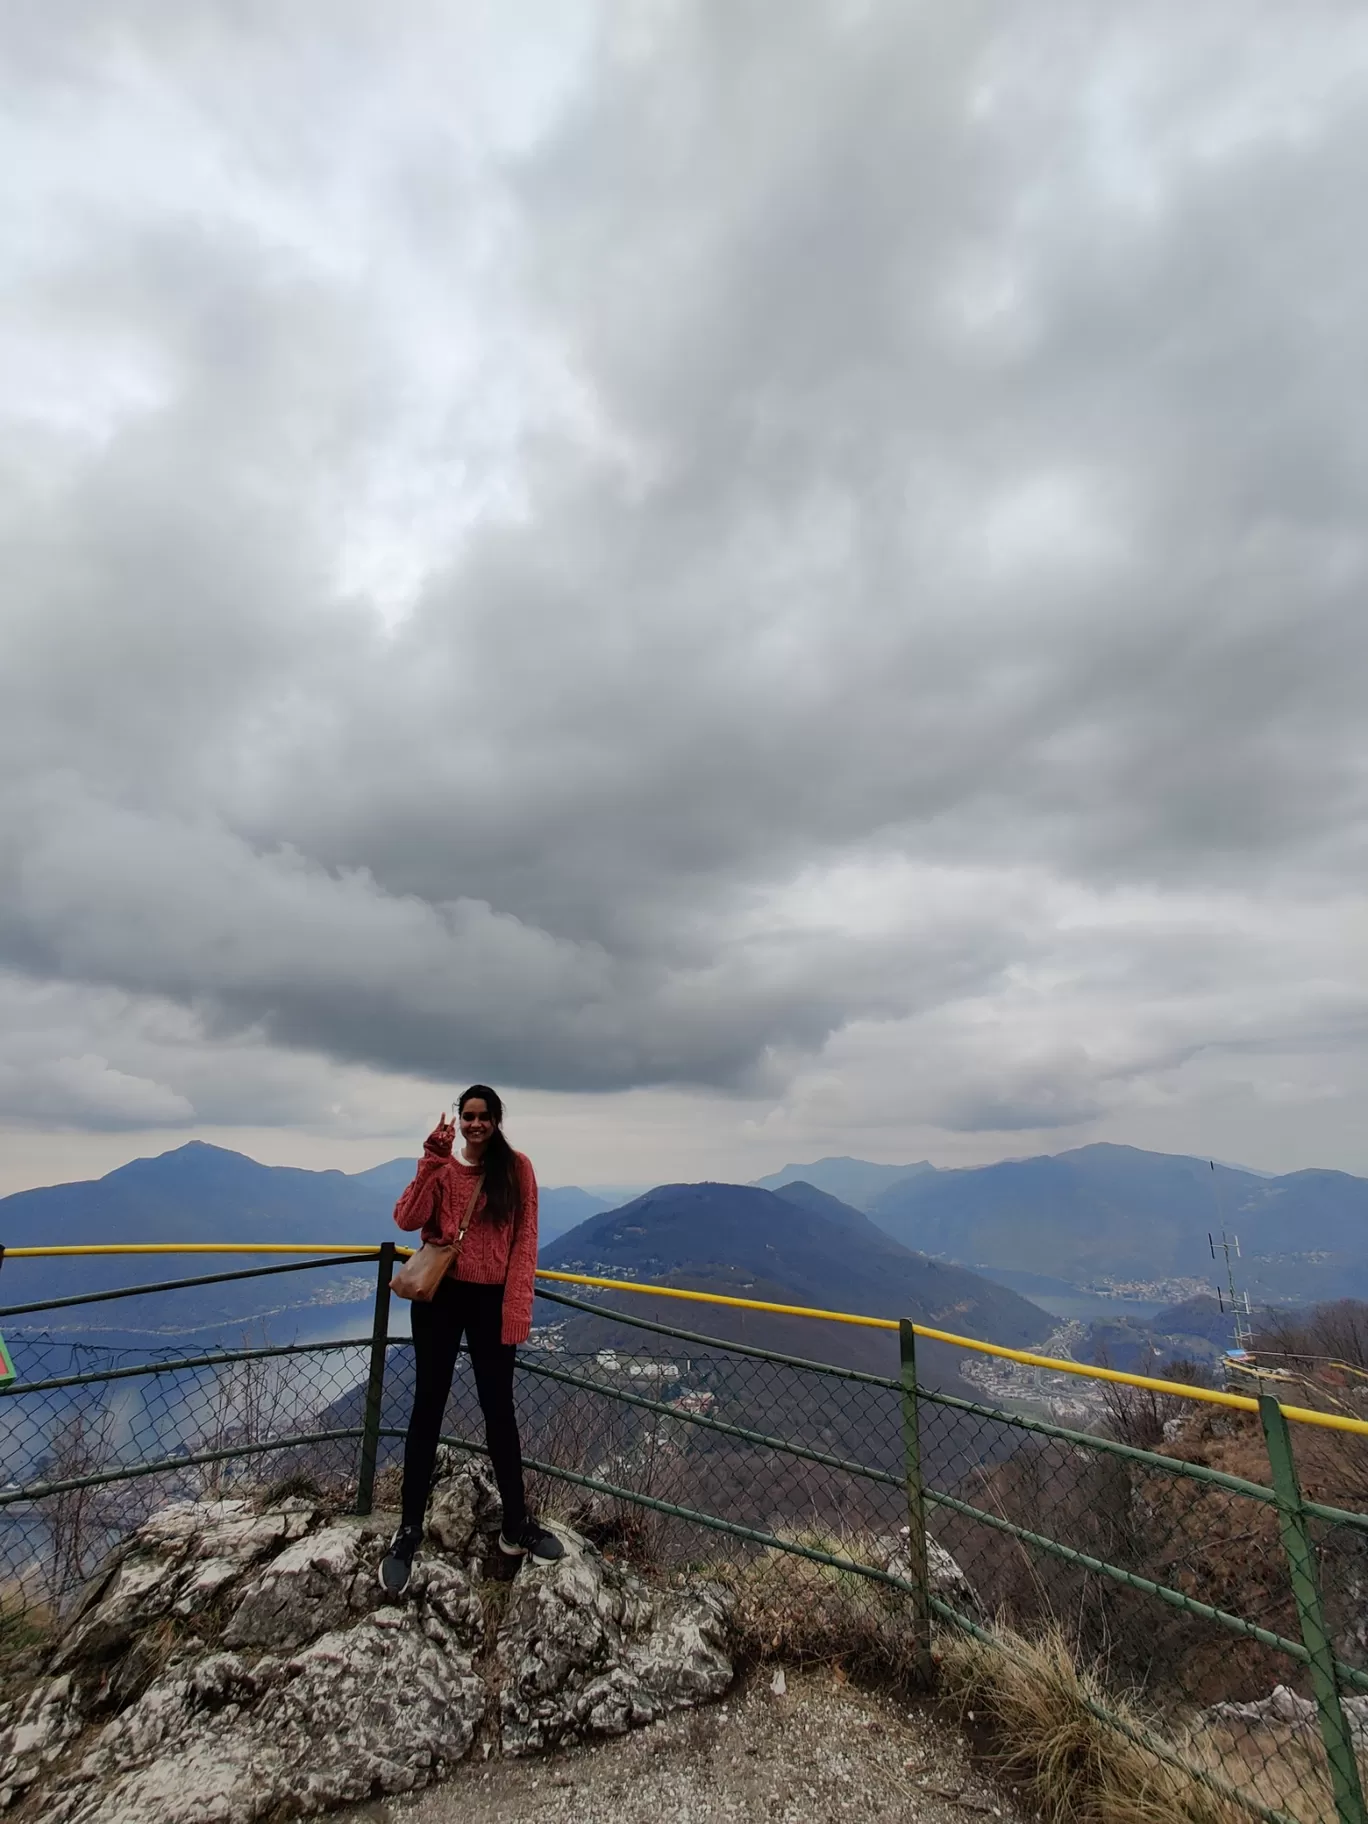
[(476, 1122)]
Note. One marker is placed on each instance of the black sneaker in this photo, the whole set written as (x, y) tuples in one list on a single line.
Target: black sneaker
[(397, 1563), (534, 1540)]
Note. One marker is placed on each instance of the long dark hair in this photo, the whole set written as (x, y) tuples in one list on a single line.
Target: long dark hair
[(502, 1189)]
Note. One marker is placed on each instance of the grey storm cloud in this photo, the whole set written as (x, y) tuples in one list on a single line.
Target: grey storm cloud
[(919, 437)]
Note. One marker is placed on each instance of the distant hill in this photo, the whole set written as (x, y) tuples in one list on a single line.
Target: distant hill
[(1196, 1330), (1117, 1212), (753, 1243), (181, 1195), (855, 1181), (559, 1206), (562, 1208), (389, 1179), (821, 1203), (1204, 1318), (196, 1193)]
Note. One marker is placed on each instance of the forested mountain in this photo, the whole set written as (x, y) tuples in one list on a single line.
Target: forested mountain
[(798, 1249)]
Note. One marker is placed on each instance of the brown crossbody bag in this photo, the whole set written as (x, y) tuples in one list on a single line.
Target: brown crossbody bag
[(422, 1273)]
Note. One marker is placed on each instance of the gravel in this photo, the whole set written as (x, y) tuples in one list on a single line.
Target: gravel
[(813, 1751)]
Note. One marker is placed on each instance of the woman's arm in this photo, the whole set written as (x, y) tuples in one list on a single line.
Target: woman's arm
[(422, 1203), (416, 1206), (520, 1282)]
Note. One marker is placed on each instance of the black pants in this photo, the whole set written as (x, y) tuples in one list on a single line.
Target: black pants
[(476, 1311)]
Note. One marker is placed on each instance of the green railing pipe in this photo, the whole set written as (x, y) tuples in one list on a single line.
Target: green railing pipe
[(131, 1472), (11, 1389), (375, 1380), (1319, 1649), (716, 1342), (181, 1285), (705, 1423), (918, 1570), (733, 1528), (1131, 1579)]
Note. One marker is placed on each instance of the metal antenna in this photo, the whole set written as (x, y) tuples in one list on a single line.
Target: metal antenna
[(1244, 1332)]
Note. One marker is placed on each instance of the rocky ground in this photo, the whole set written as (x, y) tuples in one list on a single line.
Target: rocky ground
[(235, 1662), (817, 1751)]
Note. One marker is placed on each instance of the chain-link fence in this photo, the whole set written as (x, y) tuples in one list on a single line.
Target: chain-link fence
[(104, 1423), (1190, 1602)]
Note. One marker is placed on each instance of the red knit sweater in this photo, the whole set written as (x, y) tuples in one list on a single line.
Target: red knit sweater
[(490, 1255)]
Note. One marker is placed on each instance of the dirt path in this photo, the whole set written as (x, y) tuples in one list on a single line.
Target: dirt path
[(820, 1753)]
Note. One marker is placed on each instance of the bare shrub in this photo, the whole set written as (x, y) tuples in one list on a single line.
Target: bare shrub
[(24, 1626), (570, 1431), (1333, 1335), (642, 1451), (1319, 1358), (75, 1518), (657, 1465), (1183, 1368), (389, 1488), (1209, 1543), (248, 1403), (1143, 1417)]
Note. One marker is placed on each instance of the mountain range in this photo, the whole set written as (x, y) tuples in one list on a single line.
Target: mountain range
[(1118, 1214), (1100, 1216), (799, 1247), (854, 1181)]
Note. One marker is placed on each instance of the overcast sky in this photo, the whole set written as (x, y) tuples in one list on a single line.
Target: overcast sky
[(772, 581)]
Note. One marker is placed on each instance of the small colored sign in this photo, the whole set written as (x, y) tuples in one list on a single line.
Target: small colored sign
[(6, 1362)]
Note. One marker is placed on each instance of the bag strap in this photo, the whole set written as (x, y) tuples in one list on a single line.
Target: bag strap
[(465, 1220)]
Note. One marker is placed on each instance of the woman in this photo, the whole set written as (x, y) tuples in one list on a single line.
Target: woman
[(487, 1294)]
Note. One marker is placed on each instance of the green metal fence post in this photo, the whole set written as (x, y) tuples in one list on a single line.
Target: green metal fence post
[(918, 1574), (375, 1383), (1301, 1564)]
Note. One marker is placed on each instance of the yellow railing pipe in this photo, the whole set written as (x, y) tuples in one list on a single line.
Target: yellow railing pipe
[(1211, 1396), (1181, 1389)]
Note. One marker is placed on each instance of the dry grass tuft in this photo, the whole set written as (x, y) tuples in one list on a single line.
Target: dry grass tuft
[(557, 1502), (298, 1484), (389, 1488), (25, 1626), (1077, 1769), (792, 1609), (1072, 1764)]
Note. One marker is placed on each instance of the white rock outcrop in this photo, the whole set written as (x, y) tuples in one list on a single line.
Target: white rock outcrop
[(1299, 1713), (229, 1665), (946, 1578), (588, 1649)]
